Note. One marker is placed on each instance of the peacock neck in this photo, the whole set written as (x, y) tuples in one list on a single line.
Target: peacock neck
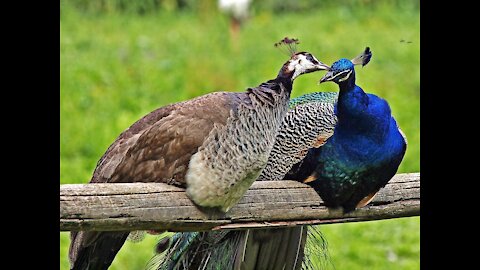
[(352, 101), (361, 113), (347, 85), (351, 108)]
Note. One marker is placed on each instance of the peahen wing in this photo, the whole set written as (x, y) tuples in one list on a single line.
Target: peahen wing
[(158, 147)]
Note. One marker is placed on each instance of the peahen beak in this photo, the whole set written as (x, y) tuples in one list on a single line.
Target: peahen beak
[(327, 77), (322, 66)]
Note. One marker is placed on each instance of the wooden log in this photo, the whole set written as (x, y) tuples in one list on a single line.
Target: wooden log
[(156, 206)]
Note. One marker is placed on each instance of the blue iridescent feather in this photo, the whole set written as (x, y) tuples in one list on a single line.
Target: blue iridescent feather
[(364, 152)]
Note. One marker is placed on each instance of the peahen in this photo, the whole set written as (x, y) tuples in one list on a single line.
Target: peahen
[(215, 146), (315, 122)]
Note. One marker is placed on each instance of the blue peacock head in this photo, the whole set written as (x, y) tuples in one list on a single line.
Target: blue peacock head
[(342, 69)]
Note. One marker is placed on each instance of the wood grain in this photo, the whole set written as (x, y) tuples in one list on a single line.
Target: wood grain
[(157, 206)]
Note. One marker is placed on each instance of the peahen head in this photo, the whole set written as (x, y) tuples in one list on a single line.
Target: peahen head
[(302, 63), (299, 62), (343, 69)]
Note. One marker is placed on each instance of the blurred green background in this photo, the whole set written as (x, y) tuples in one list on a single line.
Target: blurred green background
[(121, 59)]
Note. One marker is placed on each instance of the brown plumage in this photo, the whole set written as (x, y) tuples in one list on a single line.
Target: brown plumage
[(158, 147), (214, 145)]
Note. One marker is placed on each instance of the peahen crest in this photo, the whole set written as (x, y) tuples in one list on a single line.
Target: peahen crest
[(288, 45)]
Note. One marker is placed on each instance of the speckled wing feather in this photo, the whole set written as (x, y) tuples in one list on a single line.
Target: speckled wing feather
[(307, 125), (158, 147)]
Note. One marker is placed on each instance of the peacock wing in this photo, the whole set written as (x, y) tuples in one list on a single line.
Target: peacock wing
[(315, 123), (325, 97)]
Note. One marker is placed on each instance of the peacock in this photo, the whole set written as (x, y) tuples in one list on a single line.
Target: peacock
[(315, 121), (214, 145), (365, 151)]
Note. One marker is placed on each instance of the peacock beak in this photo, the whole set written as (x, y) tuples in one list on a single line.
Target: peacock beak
[(327, 77)]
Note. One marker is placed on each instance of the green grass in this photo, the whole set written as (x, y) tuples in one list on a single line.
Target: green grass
[(384, 244), (116, 68)]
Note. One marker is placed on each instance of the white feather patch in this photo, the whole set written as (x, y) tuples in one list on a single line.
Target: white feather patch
[(201, 182), (344, 78)]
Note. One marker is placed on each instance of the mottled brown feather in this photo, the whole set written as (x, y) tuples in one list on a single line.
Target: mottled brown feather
[(158, 147)]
